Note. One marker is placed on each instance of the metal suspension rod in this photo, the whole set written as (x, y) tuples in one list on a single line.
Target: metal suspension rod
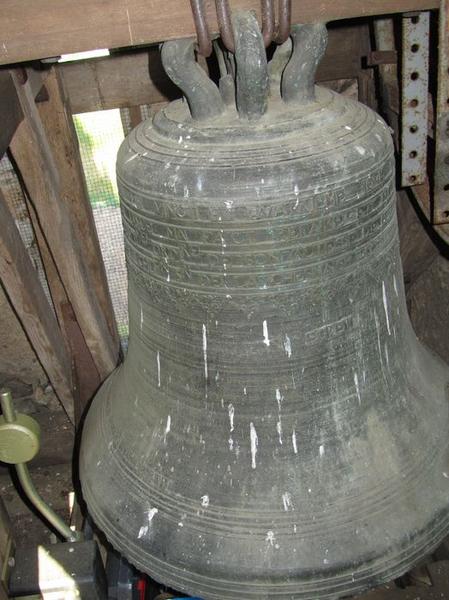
[(268, 25), (270, 30), (202, 30), (224, 23), (285, 20)]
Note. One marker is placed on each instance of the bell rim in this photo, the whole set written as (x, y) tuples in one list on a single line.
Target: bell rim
[(422, 544), (381, 567)]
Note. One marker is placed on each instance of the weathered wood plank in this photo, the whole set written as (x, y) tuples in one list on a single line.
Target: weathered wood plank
[(51, 193), (45, 28), (6, 549), (26, 294), (117, 81), (87, 378), (85, 375), (10, 111), (56, 117), (127, 79)]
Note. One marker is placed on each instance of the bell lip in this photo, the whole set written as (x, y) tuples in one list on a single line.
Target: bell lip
[(350, 579), (331, 582)]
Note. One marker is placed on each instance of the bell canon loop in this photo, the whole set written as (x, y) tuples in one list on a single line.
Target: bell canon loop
[(276, 430)]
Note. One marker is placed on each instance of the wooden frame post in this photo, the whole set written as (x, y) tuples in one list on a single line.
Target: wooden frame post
[(25, 292), (47, 158)]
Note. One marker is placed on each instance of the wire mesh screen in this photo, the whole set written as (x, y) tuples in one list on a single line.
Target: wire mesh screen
[(100, 134), (125, 115), (131, 117)]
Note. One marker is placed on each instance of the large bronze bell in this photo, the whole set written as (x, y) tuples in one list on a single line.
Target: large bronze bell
[(276, 430)]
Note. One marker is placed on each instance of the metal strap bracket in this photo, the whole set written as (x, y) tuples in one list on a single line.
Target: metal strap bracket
[(415, 84)]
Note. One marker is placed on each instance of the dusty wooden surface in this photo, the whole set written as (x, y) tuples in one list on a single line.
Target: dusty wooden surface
[(56, 117), (9, 109), (39, 157), (19, 366), (45, 142), (26, 294), (119, 81), (57, 120), (6, 548), (45, 28)]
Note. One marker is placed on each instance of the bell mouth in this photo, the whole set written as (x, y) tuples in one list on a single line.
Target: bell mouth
[(151, 521), (150, 546), (342, 581)]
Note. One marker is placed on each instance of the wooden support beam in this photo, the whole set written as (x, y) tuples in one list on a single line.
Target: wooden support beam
[(121, 80), (85, 376), (7, 550), (10, 111), (56, 118), (45, 28), (26, 295), (132, 78), (56, 199)]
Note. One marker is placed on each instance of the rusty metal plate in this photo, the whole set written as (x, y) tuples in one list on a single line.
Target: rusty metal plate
[(415, 84)]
